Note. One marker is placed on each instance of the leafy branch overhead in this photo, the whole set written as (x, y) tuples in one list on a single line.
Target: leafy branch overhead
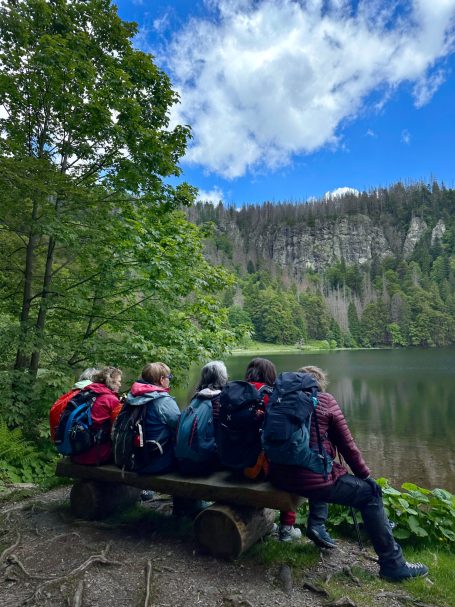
[(98, 263)]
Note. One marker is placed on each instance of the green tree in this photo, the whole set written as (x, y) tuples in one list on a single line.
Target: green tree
[(99, 264), (354, 323), (317, 317)]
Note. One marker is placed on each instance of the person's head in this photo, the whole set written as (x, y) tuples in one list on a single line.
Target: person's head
[(261, 370), (157, 374), (110, 377), (88, 374), (318, 374), (213, 375)]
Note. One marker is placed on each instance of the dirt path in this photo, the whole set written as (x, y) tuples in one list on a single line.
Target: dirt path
[(47, 558)]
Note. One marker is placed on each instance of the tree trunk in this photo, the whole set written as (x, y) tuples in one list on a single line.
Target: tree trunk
[(226, 530), (41, 320), (22, 359), (92, 500)]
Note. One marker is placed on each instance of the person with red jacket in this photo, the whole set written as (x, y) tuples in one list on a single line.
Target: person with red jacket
[(261, 372), (106, 384), (358, 489)]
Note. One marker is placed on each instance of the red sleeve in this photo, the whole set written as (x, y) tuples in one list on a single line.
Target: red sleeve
[(341, 437), (104, 407)]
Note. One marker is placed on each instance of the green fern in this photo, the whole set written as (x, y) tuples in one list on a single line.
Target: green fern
[(21, 461)]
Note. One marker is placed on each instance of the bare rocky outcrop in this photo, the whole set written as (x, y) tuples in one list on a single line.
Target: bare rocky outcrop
[(417, 229)]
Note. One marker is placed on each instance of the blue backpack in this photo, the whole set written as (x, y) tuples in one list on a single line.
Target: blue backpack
[(287, 423), (195, 434), (75, 432)]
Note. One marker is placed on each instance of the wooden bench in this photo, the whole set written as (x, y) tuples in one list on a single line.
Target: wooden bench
[(239, 517)]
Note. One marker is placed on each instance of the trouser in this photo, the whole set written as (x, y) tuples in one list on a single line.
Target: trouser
[(349, 490), (317, 513)]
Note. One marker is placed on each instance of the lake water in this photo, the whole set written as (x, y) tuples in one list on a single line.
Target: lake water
[(399, 404)]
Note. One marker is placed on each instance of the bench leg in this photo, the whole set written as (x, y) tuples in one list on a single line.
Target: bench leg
[(92, 500), (226, 531)]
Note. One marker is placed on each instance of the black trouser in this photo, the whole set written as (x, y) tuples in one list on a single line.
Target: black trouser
[(352, 491), (318, 513)]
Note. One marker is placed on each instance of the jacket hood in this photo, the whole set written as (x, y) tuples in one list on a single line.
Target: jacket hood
[(80, 385), (99, 389), (208, 393), (139, 388)]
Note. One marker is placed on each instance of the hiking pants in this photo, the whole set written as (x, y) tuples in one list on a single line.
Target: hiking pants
[(349, 490), (317, 513)]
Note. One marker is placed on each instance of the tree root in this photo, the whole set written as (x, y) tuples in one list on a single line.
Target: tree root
[(13, 559), (77, 599), (8, 550), (348, 571), (316, 589), (96, 558), (148, 580)]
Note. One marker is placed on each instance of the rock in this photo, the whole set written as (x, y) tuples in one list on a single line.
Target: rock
[(284, 578), (438, 232), (417, 229)]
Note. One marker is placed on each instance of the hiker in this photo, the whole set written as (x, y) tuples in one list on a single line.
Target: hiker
[(105, 384), (358, 490), (160, 418), (260, 375), (55, 413), (195, 446)]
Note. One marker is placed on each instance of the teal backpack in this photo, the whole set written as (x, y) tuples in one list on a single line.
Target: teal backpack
[(195, 434)]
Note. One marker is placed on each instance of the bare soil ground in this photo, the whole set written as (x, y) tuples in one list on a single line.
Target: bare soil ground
[(48, 558)]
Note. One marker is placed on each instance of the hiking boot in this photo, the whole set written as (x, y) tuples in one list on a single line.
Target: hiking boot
[(288, 533), (406, 571), (320, 537)]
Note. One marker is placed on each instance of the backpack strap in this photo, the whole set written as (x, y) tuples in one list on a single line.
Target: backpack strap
[(314, 398)]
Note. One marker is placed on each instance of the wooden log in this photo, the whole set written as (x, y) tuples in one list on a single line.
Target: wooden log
[(219, 487), (226, 531), (93, 500)]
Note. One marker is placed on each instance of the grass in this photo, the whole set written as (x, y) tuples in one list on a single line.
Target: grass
[(437, 590), (257, 347)]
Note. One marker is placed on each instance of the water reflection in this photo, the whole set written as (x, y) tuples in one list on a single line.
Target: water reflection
[(400, 405)]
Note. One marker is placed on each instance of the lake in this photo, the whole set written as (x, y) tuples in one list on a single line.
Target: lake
[(400, 406)]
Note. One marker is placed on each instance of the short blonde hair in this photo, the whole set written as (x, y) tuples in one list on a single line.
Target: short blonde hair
[(318, 374), (153, 372)]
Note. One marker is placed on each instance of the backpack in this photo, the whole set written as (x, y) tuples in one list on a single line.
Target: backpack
[(56, 411), (75, 433), (287, 423), (130, 449), (239, 424), (195, 435)]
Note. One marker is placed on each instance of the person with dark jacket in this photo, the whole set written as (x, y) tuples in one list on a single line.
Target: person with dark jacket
[(105, 384), (161, 417), (358, 490), (261, 372)]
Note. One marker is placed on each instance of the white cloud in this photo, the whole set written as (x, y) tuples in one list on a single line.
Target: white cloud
[(371, 133), (340, 192), (405, 137), (214, 196), (261, 80)]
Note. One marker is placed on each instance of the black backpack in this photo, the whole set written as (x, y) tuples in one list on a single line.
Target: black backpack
[(75, 433), (130, 449), (287, 424), (240, 421)]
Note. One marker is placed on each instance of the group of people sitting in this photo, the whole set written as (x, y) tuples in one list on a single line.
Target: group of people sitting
[(353, 488)]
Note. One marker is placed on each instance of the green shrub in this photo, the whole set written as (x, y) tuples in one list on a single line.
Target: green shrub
[(421, 516)]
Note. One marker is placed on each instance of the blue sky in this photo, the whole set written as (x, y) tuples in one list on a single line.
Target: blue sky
[(290, 99)]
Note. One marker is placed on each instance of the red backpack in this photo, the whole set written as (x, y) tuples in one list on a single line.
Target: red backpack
[(57, 409)]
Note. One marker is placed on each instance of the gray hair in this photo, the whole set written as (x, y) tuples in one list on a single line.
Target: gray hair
[(88, 373), (318, 374), (213, 375)]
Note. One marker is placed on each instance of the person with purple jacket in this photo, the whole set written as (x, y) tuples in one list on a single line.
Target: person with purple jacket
[(358, 489)]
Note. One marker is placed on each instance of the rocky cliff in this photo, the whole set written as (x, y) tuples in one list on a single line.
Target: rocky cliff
[(321, 242)]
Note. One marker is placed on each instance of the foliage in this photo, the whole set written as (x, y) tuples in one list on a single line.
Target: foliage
[(421, 516), (21, 461), (98, 263)]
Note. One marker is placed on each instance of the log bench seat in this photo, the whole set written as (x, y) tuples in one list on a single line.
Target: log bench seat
[(239, 517)]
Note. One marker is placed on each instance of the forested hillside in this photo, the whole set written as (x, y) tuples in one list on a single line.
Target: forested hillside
[(368, 270)]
